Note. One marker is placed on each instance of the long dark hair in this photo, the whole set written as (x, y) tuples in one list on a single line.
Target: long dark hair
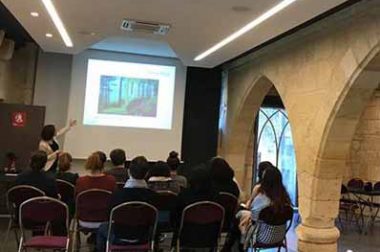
[(221, 171), (271, 185)]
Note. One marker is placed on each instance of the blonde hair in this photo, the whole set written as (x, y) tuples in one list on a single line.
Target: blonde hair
[(94, 163), (64, 162)]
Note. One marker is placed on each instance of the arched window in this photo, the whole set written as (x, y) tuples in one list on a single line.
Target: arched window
[(275, 144)]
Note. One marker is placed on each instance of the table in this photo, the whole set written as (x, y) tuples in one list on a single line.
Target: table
[(366, 199)]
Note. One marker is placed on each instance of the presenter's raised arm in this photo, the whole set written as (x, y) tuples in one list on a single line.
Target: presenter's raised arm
[(62, 131)]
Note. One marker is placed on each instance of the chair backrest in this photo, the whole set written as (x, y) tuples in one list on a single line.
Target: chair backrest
[(376, 186), (120, 185), (355, 183), (230, 204), (201, 225), (39, 211), (134, 223), (93, 205), (272, 225), (66, 190), (166, 200), (18, 194)]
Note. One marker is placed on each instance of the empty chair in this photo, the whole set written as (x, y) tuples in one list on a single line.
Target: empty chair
[(166, 205), (201, 225), (355, 183), (14, 197), (92, 208), (42, 211), (270, 229), (132, 226)]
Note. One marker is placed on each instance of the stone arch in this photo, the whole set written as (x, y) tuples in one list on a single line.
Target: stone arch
[(239, 149), (321, 209)]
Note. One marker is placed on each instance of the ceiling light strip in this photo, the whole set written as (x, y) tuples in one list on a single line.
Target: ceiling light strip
[(273, 11), (57, 22)]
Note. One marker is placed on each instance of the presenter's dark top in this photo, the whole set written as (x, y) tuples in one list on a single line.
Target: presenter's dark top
[(68, 177), (54, 146), (39, 179)]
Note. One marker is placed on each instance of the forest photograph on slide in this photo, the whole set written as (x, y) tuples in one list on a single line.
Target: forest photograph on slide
[(128, 96)]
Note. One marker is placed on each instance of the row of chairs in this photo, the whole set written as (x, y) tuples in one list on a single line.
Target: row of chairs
[(38, 212), (357, 183)]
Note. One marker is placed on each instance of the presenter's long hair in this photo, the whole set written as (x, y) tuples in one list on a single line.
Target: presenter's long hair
[(48, 132)]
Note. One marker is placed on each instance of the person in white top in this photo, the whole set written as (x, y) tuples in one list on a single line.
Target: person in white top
[(49, 144)]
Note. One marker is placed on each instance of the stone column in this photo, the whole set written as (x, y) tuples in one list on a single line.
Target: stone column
[(319, 207)]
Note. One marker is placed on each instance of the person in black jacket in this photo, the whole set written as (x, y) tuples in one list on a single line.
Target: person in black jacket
[(222, 177), (37, 177), (135, 189)]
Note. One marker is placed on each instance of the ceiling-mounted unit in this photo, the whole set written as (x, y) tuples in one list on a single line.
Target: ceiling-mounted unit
[(143, 26)]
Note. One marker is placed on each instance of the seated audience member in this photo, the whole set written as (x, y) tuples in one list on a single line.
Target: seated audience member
[(135, 189), (199, 189), (174, 162), (261, 169), (118, 170), (270, 192), (64, 166), (96, 179), (222, 177), (159, 178), (37, 177), (102, 156)]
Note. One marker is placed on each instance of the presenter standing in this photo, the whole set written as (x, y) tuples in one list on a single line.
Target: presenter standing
[(49, 144)]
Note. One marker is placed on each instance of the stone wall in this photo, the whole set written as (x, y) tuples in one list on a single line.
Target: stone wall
[(17, 75), (325, 75), (364, 161)]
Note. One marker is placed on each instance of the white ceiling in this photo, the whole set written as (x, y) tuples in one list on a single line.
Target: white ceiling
[(196, 25)]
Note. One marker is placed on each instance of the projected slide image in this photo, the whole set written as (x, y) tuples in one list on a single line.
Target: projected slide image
[(128, 96)]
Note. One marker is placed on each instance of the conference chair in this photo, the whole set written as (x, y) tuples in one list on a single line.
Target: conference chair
[(350, 207), (92, 207), (230, 204), (66, 190), (14, 197), (270, 229), (355, 183), (201, 225), (43, 211), (132, 226), (120, 185)]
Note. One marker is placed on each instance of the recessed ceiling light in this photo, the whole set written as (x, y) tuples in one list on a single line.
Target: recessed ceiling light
[(257, 21), (241, 8), (57, 22), (49, 35), (34, 14)]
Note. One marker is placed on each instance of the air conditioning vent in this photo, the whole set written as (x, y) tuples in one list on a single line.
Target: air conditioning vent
[(142, 26)]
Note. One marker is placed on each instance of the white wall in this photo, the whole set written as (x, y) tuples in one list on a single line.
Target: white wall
[(52, 86), (155, 144)]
